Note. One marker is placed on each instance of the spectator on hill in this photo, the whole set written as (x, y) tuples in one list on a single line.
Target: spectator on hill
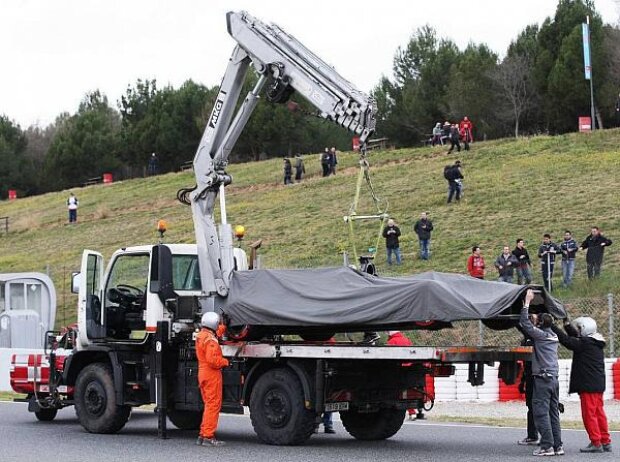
[(547, 252), (475, 263), (153, 167), (595, 243), (333, 161), (72, 206), (466, 131), (454, 139), (423, 228), (288, 171), (445, 132), (569, 249), (436, 139), (453, 174), (524, 273), (391, 234), (618, 111), (326, 161), (300, 169), (506, 264)]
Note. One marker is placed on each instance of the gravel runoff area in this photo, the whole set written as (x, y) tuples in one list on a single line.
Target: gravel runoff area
[(512, 410)]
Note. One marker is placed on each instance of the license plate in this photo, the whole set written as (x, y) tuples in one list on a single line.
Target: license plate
[(331, 407)]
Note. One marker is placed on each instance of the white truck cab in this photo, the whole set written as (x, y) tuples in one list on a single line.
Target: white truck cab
[(125, 302)]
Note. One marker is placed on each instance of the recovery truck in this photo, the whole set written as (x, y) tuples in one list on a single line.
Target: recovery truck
[(134, 340)]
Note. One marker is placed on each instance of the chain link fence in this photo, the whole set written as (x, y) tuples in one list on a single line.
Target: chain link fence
[(605, 311)]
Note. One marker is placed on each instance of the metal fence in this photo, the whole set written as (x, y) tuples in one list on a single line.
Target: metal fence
[(604, 310)]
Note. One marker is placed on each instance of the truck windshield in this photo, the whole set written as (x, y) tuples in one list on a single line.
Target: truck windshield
[(185, 272)]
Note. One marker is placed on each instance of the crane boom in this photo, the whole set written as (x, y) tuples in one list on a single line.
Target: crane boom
[(284, 65)]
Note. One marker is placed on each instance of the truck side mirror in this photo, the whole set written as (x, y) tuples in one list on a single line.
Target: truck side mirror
[(161, 273), (76, 280)]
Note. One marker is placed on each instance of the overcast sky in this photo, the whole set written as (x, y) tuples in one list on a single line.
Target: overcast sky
[(54, 51)]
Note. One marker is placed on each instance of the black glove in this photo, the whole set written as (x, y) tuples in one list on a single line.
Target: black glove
[(522, 387)]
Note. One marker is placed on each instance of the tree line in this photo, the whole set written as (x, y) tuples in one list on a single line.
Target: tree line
[(537, 87)]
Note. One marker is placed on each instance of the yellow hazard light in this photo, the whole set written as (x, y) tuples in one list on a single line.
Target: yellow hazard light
[(239, 231), (162, 226)]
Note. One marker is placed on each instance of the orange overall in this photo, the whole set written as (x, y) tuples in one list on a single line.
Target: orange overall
[(210, 364)]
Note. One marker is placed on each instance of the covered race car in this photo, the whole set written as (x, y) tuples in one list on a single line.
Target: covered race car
[(343, 299)]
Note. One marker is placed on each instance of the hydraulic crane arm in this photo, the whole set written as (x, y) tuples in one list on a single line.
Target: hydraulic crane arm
[(286, 66)]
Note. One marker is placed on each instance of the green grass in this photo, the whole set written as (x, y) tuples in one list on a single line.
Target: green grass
[(520, 188)]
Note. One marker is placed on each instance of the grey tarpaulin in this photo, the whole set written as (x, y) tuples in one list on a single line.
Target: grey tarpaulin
[(346, 297)]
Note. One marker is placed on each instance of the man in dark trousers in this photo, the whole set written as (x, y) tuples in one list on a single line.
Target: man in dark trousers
[(391, 234), (569, 249), (506, 264), (545, 370), (595, 243), (300, 170), (423, 228), (453, 174), (618, 111), (524, 273), (326, 159), (454, 138), (587, 378), (526, 386), (288, 171), (547, 252)]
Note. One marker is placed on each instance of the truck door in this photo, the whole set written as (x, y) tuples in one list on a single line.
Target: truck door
[(90, 312)]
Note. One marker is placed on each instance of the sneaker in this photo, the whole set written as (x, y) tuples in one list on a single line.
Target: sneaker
[(544, 452), (411, 416), (528, 442), (607, 447), (420, 416), (199, 441), (212, 442), (559, 451), (330, 430), (592, 448)]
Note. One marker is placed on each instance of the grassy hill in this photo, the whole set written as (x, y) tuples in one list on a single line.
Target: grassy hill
[(513, 189)]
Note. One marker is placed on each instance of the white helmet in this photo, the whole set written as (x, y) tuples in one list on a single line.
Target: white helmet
[(210, 320), (585, 326)]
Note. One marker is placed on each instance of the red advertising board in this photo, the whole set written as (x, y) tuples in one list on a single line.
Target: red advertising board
[(585, 124)]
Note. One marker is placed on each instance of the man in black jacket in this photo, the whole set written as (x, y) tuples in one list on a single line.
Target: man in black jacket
[(587, 378), (423, 228), (595, 243), (453, 174), (524, 274), (569, 249), (391, 233), (547, 252)]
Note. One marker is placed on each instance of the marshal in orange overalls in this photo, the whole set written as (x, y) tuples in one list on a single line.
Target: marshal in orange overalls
[(210, 364)]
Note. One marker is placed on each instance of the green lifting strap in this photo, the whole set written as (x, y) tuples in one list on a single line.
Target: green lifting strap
[(380, 213)]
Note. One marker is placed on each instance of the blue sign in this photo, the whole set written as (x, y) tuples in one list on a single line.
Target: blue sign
[(586, 51)]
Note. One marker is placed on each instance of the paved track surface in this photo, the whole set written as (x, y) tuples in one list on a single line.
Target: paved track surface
[(24, 439)]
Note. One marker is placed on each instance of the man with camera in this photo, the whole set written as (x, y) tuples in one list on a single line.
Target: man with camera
[(545, 370)]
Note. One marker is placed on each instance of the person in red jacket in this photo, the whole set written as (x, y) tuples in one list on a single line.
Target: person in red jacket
[(396, 337), (466, 130), (475, 263), (210, 364)]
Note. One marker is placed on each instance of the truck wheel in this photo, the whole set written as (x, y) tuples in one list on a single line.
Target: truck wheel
[(46, 415), (373, 426), (277, 409), (95, 400), (185, 420)]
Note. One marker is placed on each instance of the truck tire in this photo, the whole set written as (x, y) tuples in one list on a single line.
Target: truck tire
[(373, 426), (46, 415), (277, 409), (95, 400), (185, 420)]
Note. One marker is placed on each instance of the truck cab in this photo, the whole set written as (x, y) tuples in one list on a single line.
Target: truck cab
[(126, 302)]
